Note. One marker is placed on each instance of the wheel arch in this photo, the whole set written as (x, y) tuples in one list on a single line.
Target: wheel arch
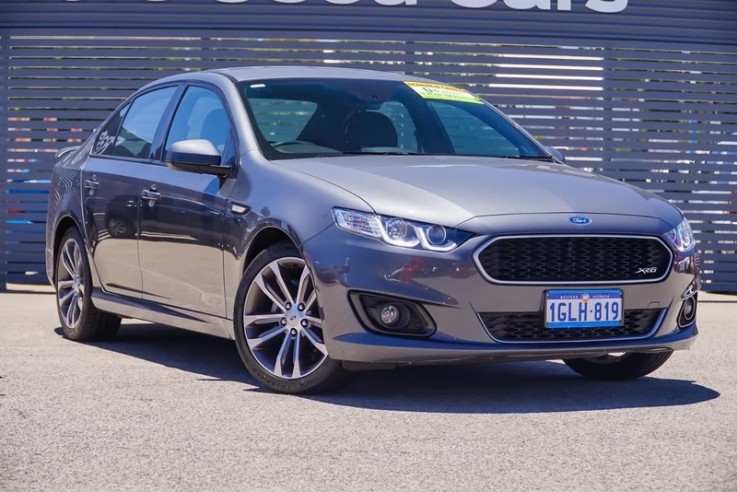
[(63, 225), (263, 239)]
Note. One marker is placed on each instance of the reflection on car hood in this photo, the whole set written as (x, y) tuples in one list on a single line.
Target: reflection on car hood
[(452, 189)]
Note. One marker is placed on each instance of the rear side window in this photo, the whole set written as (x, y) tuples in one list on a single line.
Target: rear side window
[(108, 134), (137, 131)]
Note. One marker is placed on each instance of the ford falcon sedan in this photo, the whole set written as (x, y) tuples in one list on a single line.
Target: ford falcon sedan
[(332, 221)]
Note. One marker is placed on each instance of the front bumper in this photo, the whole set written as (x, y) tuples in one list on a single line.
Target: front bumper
[(451, 289)]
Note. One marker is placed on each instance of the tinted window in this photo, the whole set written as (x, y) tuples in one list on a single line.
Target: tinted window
[(307, 117), (403, 124), (106, 138), (139, 126), (281, 120), (201, 115), (469, 134)]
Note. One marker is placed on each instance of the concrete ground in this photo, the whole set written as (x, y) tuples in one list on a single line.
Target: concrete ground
[(163, 409)]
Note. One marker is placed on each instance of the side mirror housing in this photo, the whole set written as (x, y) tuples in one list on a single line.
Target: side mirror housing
[(557, 154), (197, 155)]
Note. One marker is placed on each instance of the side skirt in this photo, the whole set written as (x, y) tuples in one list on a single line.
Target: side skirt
[(166, 315)]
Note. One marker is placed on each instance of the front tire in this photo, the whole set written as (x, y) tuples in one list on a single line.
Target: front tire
[(619, 367), (80, 319), (278, 325)]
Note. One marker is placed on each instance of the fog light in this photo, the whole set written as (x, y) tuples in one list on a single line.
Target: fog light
[(688, 311), (392, 316), (389, 314)]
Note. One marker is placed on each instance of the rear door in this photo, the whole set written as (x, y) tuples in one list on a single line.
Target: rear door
[(112, 187), (182, 223)]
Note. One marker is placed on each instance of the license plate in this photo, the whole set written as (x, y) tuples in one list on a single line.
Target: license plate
[(583, 308)]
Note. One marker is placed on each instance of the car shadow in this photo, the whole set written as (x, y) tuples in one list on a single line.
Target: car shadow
[(210, 358), (522, 387)]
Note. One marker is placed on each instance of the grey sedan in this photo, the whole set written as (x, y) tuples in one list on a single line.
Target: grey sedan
[(331, 221)]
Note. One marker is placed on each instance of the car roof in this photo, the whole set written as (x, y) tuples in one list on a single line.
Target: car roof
[(274, 72), (240, 74)]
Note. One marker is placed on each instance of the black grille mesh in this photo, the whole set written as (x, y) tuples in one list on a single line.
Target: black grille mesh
[(528, 327), (575, 259)]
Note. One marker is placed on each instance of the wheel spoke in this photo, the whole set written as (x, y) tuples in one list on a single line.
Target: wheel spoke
[(64, 300), (64, 284), (297, 370), (314, 321), (72, 310), (280, 282), (261, 319), (66, 260), (259, 281), (315, 341), (281, 357), (302, 288), (78, 258), (256, 342), (311, 300)]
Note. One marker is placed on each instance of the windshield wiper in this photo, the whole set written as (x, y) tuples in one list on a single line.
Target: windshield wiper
[(545, 158), (380, 152)]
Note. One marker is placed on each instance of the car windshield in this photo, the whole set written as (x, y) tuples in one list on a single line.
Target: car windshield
[(331, 117)]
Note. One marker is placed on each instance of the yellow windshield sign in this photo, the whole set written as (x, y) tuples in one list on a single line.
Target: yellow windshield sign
[(443, 92)]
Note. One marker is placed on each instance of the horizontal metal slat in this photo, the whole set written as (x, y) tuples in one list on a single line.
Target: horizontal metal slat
[(66, 114), (645, 108), (56, 104), (107, 63), (63, 82), (15, 278), (28, 258), (68, 94)]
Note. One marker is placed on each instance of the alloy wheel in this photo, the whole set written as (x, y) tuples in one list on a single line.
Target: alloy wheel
[(70, 287), (281, 321)]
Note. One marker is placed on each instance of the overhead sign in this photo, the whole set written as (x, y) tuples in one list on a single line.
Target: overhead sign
[(604, 6)]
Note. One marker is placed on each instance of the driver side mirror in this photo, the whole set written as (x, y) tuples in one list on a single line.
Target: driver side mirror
[(197, 155)]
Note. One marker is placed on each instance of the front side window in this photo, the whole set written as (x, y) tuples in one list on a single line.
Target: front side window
[(201, 115), (139, 123), (329, 117)]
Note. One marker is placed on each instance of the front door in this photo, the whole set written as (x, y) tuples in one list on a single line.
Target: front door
[(182, 220)]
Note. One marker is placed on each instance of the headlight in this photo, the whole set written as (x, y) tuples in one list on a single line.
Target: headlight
[(400, 232), (681, 237)]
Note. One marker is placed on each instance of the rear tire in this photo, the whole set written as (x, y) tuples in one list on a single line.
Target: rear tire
[(278, 326), (622, 367), (80, 319)]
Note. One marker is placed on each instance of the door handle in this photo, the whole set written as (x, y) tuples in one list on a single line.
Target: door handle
[(151, 196)]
